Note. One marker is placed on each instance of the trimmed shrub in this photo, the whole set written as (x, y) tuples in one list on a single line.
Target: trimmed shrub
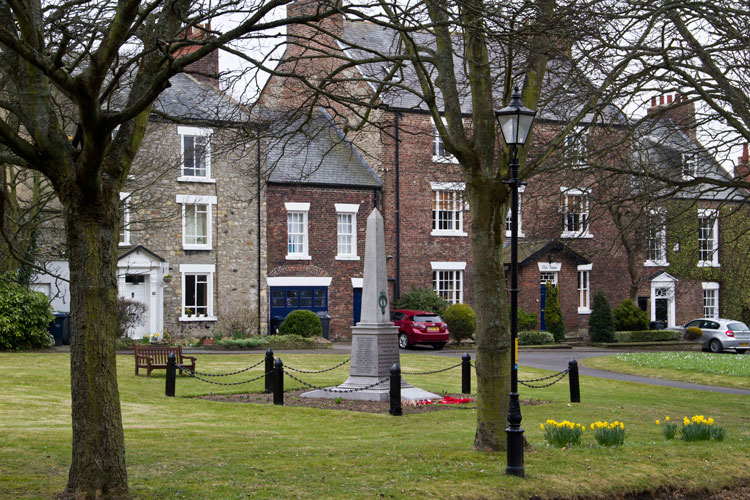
[(553, 314), (647, 336), (25, 316), (526, 321), (628, 317), (272, 341), (601, 321), (461, 320), (535, 337), (421, 299), (303, 323), (693, 333)]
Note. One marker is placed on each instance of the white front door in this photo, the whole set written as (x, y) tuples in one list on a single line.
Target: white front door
[(136, 289)]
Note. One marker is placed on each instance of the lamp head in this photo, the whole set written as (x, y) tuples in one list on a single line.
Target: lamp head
[(515, 120)]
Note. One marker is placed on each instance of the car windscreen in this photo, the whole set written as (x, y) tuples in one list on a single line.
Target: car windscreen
[(427, 318), (737, 327)]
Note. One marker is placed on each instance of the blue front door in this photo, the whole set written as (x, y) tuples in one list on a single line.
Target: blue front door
[(542, 303)]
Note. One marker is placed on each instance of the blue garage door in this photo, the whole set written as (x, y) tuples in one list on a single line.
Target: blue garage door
[(285, 299)]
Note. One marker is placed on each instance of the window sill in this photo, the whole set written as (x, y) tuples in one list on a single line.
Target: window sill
[(196, 247), (708, 264), (445, 159), (347, 257), (582, 310), (568, 234), (195, 319), (123, 244), (448, 233), (653, 263), (520, 234), (204, 180), (298, 257)]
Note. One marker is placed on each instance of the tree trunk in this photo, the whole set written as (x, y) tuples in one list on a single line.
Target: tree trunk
[(98, 463), (493, 335)]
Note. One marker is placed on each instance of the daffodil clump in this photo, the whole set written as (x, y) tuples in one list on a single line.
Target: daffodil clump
[(609, 433), (562, 434), (669, 429), (699, 428)]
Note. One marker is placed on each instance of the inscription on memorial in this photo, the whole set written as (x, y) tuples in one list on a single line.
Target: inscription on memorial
[(364, 356)]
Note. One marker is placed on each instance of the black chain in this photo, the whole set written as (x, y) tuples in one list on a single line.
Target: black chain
[(435, 371), (560, 376), (232, 373), (336, 390), (224, 383), (287, 367), (544, 378)]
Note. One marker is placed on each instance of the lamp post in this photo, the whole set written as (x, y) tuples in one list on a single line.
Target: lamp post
[(515, 121)]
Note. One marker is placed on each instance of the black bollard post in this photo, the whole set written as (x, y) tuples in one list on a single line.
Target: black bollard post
[(171, 374), (575, 391), (278, 383), (269, 371), (466, 374), (395, 393)]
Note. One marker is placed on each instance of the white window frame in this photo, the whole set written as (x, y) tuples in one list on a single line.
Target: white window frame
[(345, 209), (521, 189), (303, 209), (657, 216), (584, 292), (199, 269), (689, 166), (711, 214), (457, 290), (576, 147), (459, 205), (583, 209), (190, 199), (125, 229), (437, 145), (195, 132), (712, 288)]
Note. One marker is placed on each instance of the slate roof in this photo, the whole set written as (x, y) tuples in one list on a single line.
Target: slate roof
[(366, 40), (315, 151), (530, 250)]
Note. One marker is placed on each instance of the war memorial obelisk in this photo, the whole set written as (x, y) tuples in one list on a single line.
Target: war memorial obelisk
[(374, 338)]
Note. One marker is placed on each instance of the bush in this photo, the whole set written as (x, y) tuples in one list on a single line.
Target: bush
[(422, 299), (601, 321), (25, 316), (533, 337), (301, 322), (553, 314), (272, 341), (526, 321), (129, 314), (461, 320), (628, 317), (693, 333), (647, 336)]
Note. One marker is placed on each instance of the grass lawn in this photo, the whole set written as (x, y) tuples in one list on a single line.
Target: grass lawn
[(198, 449), (723, 370)]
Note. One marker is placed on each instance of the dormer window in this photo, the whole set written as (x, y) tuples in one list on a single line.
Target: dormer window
[(439, 154), (689, 162), (195, 154), (575, 147)]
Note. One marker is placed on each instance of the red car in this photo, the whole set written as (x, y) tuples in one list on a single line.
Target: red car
[(420, 327)]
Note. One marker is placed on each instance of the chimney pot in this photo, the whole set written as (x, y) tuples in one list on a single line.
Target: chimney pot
[(669, 99), (653, 102), (661, 100)]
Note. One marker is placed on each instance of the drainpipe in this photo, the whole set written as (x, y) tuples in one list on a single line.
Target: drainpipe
[(258, 247), (397, 284)]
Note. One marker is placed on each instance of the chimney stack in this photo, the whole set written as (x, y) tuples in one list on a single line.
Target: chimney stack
[(742, 168), (679, 110), (205, 69)]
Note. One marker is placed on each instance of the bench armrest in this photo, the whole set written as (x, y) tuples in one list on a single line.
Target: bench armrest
[(144, 356), (189, 357)]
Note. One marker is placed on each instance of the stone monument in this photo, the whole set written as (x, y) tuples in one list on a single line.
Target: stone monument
[(374, 338)]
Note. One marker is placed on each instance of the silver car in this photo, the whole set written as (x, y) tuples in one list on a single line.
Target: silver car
[(719, 334)]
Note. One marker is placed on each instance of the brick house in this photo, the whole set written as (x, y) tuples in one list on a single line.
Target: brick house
[(568, 238)]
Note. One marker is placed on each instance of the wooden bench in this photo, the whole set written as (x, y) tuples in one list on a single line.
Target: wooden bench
[(155, 357)]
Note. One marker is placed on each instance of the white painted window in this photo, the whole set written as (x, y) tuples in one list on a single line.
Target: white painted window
[(710, 299), (548, 277), (448, 280), (508, 221), (689, 163), (195, 146), (584, 289), (576, 150), (448, 209), (124, 219), (298, 246), (708, 238), (656, 239), (196, 221), (197, 292), (346, 228), (575, 210), (439, 154)]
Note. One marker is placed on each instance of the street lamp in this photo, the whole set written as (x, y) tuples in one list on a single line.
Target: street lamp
[(515, 121)]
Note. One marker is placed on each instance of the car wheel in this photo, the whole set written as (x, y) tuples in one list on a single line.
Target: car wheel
[(437, 347), (403, 341), (714, 346)]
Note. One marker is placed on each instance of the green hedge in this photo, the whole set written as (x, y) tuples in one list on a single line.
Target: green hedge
[(301, 322), (272, 341), (25, 316), (648, 336), (421, 299), (532, 337), (461, 320)]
